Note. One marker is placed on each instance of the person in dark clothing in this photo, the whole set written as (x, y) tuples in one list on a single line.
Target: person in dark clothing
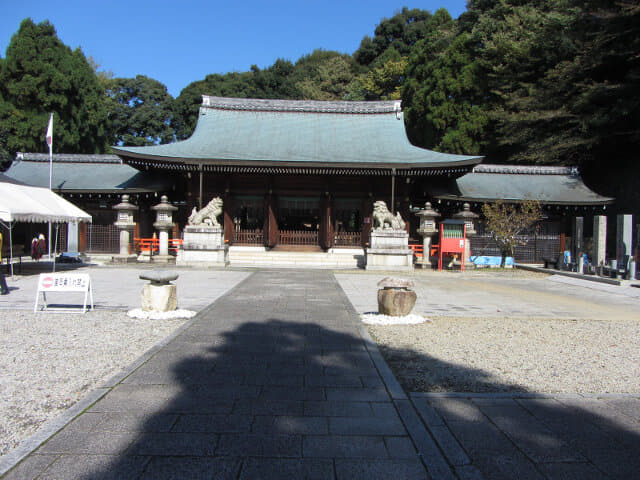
[(4, 289), (3, 281)]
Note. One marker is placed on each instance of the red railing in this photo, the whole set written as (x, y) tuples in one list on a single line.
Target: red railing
[(152, 245), (298, 237)]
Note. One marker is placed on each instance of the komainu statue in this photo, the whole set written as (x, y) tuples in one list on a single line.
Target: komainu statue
[(384, 220), (208, 215)]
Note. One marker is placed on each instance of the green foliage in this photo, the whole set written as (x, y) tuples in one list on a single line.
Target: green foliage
[(444, 95), (400, 32), (323, 75), (507, 223), (139, 111), (383, 82), (41, 75)]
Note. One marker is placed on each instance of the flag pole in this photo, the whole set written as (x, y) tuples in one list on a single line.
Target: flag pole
[(50, 143)]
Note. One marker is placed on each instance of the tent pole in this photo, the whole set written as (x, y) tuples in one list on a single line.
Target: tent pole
[(55, 247), (11, 247)]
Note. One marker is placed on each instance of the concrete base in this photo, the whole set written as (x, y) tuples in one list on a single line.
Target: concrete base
[(124, 259), (159, 298), (163, 259), (389, 259), (389, 251), (218, 257)]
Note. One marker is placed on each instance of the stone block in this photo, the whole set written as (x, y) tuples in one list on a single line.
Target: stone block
[(159, 298), (396, 302)]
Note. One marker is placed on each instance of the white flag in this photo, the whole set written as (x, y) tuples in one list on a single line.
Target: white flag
[(50, 131)]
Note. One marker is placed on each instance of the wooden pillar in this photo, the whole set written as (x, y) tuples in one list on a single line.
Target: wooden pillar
[(270, 229), (367, 219), (227, 212), (82, 237), (200, 189), (405, 213), (326, 233)]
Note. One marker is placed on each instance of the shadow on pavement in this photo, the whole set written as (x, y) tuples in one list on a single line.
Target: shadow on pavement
[(291, 396)]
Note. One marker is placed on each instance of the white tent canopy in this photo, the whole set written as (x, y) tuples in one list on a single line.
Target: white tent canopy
[(23, 203)]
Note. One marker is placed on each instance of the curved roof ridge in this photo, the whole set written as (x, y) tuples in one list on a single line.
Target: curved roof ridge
[(313, 106), (525, 169), (69, 157)]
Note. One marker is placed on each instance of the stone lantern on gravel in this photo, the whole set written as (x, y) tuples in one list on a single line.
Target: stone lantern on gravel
[(469, 218), (427, 229), (124, 221), (164, 223)]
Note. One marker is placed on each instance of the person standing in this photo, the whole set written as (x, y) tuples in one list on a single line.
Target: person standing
[(34, 248), (42, 246), (3, 281)]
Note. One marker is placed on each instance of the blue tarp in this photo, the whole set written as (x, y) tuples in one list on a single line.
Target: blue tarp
[(490, 261)]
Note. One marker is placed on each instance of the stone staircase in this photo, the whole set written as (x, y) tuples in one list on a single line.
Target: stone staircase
[(337, 258)]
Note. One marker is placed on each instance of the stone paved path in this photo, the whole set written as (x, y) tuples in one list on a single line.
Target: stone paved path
[(274, 380), (508, 436), (278, 379)]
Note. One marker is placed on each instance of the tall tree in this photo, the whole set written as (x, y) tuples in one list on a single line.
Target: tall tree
[(323, 75), (399, 32), (444, 92), (40, 75), (139, 111)]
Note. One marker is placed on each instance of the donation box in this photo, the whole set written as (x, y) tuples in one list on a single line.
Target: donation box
[(453, 237)]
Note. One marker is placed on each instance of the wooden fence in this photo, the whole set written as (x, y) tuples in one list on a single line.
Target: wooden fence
[(348, 239), (533, 248), (248, 237), (298, 237)]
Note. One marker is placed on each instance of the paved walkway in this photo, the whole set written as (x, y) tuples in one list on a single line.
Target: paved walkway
[(279, 379), (274, 380)]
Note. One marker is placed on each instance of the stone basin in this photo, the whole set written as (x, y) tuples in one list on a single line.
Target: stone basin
[(159, 277), (396, 297)]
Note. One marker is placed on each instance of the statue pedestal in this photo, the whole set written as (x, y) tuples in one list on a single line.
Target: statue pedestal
[(389, 251), (203, 245)]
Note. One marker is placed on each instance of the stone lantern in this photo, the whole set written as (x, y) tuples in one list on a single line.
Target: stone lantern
[(164, 223), (124, 221), (468, 217), (427, 229)]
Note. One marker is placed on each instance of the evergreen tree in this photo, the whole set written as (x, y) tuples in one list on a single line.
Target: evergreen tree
[(139, 111), (40, 75)]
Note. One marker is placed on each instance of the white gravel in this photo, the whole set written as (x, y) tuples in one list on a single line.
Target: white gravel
[(514, 354), (51, 360), (373, 318)]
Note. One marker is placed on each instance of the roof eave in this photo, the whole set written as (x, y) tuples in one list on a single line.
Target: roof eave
[(124, 154), (456, 198)]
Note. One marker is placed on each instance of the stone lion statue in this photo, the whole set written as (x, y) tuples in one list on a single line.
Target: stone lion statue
[(208, 215), (384, 220)]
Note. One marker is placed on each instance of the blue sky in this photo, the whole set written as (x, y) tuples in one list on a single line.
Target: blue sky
[(179, 42)]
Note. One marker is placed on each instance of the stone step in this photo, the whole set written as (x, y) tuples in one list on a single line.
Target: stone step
[(257, 257)]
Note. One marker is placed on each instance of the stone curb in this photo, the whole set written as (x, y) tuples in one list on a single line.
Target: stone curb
[(525, 395), (428, 450), (30, 444), (579, 276)]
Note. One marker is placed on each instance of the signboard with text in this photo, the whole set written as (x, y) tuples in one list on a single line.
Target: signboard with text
[(64, 282)]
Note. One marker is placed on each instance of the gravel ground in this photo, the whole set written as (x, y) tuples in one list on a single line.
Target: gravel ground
[(49, 361), (463, 354)]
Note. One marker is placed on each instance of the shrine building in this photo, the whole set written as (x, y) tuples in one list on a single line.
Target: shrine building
[(302, 174)]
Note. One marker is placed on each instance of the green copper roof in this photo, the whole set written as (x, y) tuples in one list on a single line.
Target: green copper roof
[(80, 173), (298, 133), (549, 185)]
